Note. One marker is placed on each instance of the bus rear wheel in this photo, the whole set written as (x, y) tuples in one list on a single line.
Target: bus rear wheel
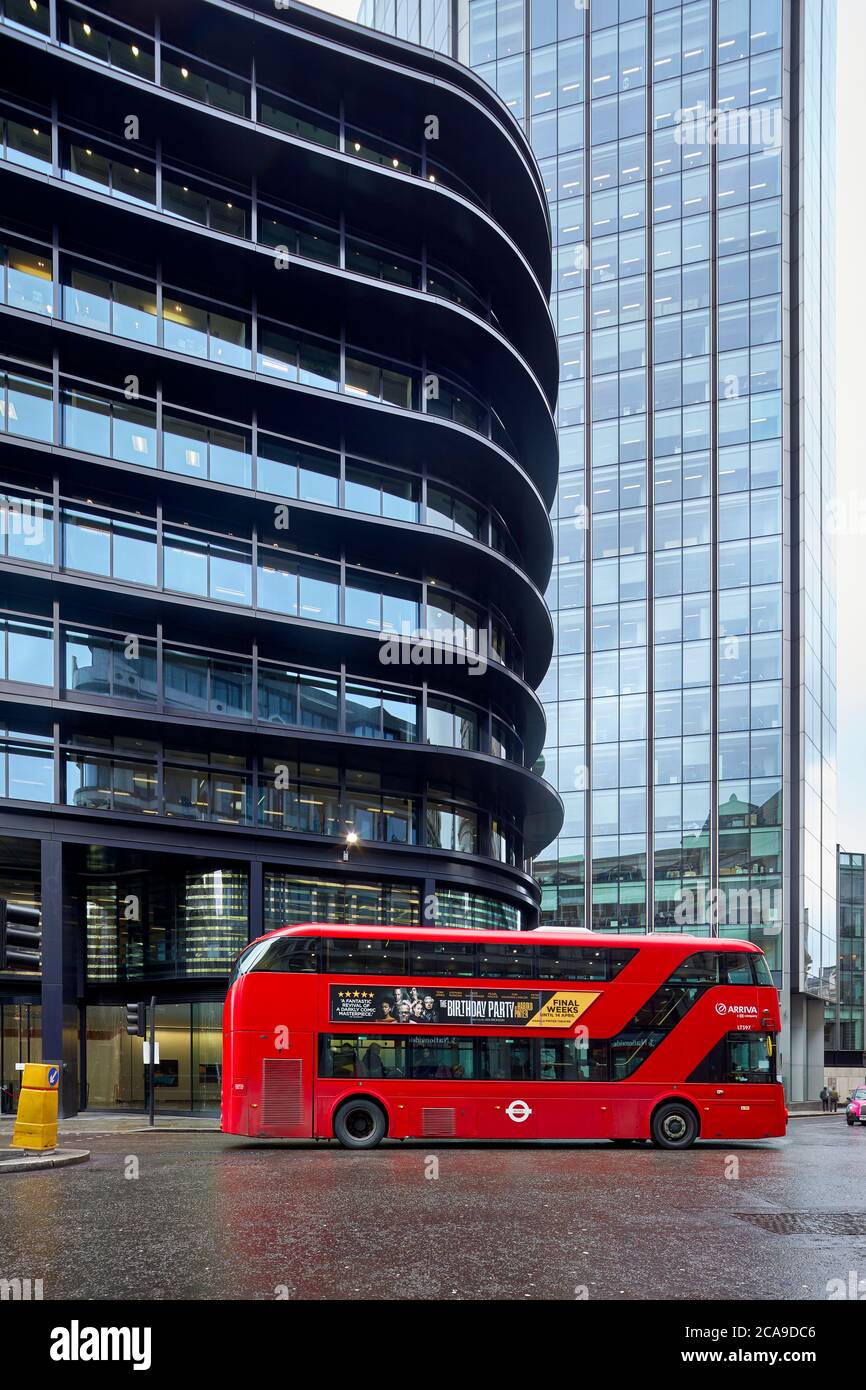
[(674, 1126), (360, 1124)]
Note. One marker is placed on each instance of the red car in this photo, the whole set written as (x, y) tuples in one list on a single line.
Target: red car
[(855, 1111)]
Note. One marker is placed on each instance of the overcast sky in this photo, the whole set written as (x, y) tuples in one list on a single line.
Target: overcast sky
[(851, 326), (851, 317)]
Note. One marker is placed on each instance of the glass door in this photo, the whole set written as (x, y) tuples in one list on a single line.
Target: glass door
[(20, 1041)]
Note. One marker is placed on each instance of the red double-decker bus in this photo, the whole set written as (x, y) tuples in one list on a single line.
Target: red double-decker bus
[(366, 1033)]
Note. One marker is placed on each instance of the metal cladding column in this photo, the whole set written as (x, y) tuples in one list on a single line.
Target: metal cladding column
[(60, 1013)]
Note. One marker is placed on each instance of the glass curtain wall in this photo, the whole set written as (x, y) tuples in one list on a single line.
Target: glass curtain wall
[(658, 126), (187, 1075)]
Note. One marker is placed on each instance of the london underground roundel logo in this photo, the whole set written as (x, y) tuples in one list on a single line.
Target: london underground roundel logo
[(518, 1111)]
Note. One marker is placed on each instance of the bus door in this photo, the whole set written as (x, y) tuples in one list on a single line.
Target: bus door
[(284, 1109), (573, 1102), (505, 1103)]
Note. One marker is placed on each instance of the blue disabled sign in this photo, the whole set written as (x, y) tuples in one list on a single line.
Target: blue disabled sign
[(53, 1076)]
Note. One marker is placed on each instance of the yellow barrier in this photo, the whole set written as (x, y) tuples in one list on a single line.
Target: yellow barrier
[(36, 1120)]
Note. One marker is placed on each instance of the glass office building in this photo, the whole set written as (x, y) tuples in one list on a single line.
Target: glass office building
[(845, 1025), (687, 148), (277, 458)]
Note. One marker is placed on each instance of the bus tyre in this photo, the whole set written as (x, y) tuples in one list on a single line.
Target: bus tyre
[(360, 1124), (674, 1126)]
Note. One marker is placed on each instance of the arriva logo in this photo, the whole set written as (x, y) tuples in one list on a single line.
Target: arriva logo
[(738, 1010)]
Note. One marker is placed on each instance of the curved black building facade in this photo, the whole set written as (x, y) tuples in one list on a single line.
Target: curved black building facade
[(278, 453)]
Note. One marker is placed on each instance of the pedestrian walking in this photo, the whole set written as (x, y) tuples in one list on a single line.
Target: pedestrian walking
[(825, 1098), (834, 1100)]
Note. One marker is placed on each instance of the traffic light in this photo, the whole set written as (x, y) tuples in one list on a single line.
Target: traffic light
[(20, 936), (136, 1020)]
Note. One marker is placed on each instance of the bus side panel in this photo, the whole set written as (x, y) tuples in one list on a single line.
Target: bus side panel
[(332, 1092), (579, 1111), (234, 1101), (281, 1085), (740, 1111)]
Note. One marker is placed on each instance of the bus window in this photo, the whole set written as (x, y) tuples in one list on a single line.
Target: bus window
[(502, 961), (702, 968), (737, 968), (628, 1050), (569, 1059), (442, 958), (739, 1057), (441, 1059), (342, 1055), (571, 963), (750, 1057), (763, 975), (353, 956), (504, 1059), (282, 954), (616, 959)]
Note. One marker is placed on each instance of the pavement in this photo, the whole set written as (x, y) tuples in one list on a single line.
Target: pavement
[(85, 1125), (174, 1214), (29, 1160), (110, 1122)]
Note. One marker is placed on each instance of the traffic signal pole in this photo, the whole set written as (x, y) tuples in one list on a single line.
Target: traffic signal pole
[(153, 1060)]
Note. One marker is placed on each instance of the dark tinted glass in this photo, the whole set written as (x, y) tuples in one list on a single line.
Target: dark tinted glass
[(502, 961), (442, 958), (739, 1057), (737, 968), (441, 1059), (347, 1055), (568, 1059), (664, 1009), (354, 957), (435, 1058), (505, 1059), (617, 959), (702, 968), (762, 970), (571, 963), (629, 1050), (281, 954)]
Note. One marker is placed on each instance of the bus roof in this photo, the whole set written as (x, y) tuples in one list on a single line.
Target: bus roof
[(544, 936)]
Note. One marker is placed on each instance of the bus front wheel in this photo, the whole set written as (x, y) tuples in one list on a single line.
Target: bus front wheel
[(674, 1126), (360, 1124)]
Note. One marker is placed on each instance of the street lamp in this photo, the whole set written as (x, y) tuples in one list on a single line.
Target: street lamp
[(351, 841)]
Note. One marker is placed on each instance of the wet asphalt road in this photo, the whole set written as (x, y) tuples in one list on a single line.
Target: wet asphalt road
[(210, 1217)]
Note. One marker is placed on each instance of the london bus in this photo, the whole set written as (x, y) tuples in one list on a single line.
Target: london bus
[(365, 1033)]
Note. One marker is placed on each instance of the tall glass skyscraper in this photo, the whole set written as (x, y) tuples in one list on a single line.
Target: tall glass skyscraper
[(687, 148)]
